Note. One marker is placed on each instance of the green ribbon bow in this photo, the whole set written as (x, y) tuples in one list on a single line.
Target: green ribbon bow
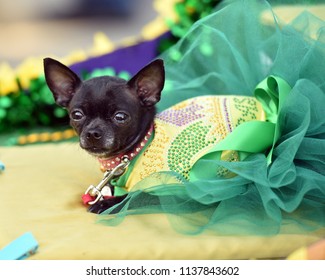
[(253, 136)]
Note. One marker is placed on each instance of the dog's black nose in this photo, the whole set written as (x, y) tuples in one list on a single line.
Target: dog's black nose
[(94, 134)]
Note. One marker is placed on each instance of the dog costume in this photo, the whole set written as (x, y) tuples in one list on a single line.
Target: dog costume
[(240, 48)]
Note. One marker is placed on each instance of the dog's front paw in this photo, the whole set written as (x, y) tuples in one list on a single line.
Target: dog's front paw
[(98, 208), (105, 204)]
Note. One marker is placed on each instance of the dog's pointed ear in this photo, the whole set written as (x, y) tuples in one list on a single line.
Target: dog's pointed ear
[(149, 82), (62, 81)]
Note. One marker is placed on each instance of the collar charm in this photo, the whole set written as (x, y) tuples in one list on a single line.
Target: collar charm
[(96, 193)]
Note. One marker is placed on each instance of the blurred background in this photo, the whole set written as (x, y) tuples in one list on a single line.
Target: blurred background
[(58, 27)]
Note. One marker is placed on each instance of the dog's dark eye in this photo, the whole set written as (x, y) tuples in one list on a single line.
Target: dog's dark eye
[(77, 115), (121, 118)]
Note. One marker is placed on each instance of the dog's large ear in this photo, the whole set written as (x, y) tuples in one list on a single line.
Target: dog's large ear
[(149, 82), (61, 80)]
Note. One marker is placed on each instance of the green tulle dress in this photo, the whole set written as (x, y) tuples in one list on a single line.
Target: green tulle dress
[(235, 51)]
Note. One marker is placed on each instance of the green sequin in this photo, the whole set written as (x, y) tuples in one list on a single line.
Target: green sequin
[(247, 107), (186, 145)]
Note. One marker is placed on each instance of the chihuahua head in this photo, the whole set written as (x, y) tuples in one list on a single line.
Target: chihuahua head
[(110, 115)]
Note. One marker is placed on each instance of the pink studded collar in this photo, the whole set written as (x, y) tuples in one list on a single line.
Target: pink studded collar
[(110, 163)]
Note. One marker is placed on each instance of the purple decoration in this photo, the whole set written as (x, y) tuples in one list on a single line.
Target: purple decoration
[(226, 113), (183, 116), (130, 59)]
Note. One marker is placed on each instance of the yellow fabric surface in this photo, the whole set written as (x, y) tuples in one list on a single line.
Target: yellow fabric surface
[(41, 190)]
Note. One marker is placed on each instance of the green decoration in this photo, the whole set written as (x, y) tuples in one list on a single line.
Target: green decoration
[(188, 11)]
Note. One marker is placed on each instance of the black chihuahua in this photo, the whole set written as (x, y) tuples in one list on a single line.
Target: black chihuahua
[(109, 114)]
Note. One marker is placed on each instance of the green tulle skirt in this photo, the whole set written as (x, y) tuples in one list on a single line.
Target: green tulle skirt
[(229, 53)]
